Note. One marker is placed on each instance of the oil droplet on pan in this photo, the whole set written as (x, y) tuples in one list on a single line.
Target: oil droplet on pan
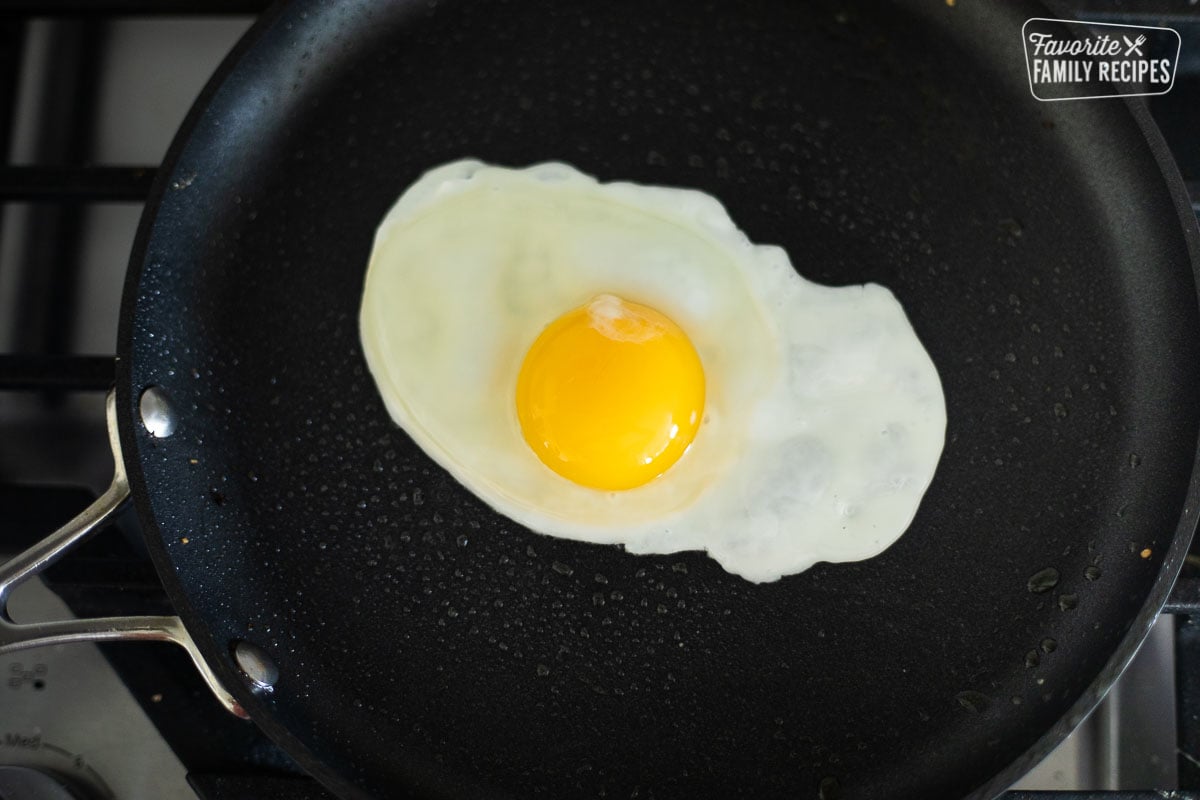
[(972, 701), (1043, 581)]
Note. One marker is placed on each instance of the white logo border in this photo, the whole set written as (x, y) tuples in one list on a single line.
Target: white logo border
[(1029, 71)]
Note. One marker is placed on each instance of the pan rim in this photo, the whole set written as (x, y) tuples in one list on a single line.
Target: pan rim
[(255, 704), (1185, 530), (127, 424)]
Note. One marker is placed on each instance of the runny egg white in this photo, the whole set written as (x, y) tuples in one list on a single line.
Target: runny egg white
[(619, 364)]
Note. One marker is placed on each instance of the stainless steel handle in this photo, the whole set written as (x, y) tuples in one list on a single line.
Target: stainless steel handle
[(22, 567)]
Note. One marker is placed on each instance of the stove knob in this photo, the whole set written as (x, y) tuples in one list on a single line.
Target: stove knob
[(26, 783)]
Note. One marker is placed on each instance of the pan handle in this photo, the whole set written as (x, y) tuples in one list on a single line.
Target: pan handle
[(22, 567)]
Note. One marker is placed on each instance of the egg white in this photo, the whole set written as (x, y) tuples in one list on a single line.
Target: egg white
[(824, 416)]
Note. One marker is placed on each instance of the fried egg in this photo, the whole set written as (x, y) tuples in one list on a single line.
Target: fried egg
[(618, 364)]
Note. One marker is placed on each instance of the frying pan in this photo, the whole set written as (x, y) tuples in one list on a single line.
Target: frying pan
[(396, 636)]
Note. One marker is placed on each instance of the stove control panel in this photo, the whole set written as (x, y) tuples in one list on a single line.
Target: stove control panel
[(69, 728)]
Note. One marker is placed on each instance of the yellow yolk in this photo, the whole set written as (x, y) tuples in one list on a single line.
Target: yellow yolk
[(610, 394)]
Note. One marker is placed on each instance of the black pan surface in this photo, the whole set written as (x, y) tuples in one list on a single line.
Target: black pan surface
[(429, 646)]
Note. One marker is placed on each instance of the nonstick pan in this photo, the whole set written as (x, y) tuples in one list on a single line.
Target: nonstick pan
[(403, 639)]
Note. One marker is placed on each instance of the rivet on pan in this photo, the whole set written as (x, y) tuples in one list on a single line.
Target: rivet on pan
[(257, 665), (157, 413)]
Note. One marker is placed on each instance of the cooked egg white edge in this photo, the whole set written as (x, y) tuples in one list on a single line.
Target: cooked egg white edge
[(796, 502)]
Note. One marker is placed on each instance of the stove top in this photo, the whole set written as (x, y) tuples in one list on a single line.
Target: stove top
[(90, 94)]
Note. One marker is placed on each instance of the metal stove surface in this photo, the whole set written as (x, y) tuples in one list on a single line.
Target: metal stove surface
[(67, 712)]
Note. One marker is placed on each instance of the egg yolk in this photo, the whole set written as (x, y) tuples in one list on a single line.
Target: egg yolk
[(610, 394)]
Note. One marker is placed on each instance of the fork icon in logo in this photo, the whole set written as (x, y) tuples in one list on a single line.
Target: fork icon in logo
[(1134, 47)]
